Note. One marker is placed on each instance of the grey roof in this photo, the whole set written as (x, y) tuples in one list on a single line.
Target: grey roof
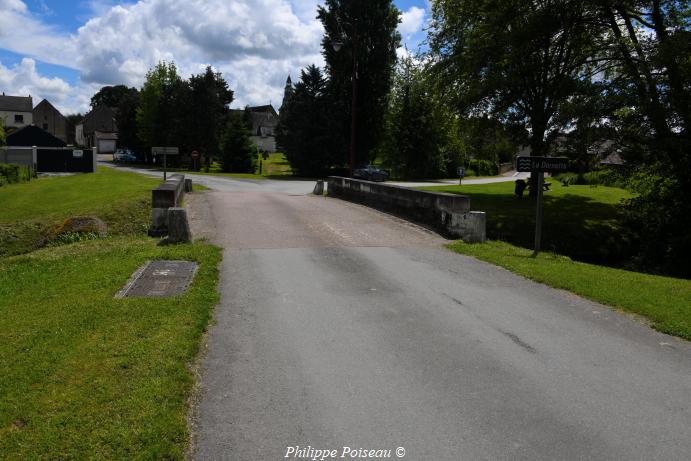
[(16, 103)]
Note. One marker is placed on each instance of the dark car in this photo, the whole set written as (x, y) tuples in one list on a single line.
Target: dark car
[(371, 173)]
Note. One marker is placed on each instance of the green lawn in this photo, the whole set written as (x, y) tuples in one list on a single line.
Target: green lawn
[(664, 301), (84, 375), (29, 210), (583, 222)]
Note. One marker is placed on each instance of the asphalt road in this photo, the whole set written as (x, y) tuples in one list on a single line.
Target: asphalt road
[(340, 326)]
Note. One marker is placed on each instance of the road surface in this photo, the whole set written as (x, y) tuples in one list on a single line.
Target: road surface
[(343, 328)]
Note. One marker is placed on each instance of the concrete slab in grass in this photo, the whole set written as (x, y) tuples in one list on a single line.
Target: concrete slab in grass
[(159, 279)]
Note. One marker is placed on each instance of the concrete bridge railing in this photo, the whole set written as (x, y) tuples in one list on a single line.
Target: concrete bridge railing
[(449, 214)]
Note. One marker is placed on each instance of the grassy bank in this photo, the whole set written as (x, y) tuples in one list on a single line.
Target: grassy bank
[(29, 210), (665, 301), (87, 376), (582, 222)]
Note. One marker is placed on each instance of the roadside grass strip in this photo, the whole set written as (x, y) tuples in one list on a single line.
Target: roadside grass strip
[(664, 301), (582, 222), (87, 376), (121, 199)]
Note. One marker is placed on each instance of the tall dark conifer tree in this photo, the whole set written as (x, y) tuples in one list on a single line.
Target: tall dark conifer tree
[(366, 29)]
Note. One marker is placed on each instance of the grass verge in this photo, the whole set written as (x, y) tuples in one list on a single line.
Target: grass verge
[(665, 301), (582, 222), (87, 376), (121, 199)]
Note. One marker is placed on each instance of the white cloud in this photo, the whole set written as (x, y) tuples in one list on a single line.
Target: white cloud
[(24, 80), (411, 21), (256, 43)]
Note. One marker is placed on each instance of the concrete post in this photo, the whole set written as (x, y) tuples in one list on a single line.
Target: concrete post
[(319, 188), (178, 227)]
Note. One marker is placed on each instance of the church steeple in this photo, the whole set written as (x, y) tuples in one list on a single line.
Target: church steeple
[(288, 91)]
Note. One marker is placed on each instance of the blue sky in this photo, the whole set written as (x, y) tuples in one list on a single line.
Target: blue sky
[(66, 50)]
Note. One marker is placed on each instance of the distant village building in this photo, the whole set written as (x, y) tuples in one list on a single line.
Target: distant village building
[(16, 111), (264, 120), (33, 136), (98, 129), (48, 118)]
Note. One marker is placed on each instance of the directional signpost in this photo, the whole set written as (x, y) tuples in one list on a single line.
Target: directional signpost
[(539, 165), (165, 152)]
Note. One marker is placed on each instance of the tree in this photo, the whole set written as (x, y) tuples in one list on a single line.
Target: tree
[(163, 101), (519, 61), (210, 97), (111, 96), (305, 125), (238, 152), (415, 132), (648, 48), (3, 138), (126, 120), (365, 29)]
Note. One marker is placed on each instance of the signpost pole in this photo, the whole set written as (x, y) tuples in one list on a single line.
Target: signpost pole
[(538, 212), (165, 166)]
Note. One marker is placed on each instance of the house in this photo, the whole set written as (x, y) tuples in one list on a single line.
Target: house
[(16, 111), (264, 121), (98, 129), (47, 117), (33, 136)]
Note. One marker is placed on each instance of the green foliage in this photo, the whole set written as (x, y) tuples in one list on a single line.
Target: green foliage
[(126, 119), (305, 124), (11, 173), (208, 110), (415, 136), (483, 167), (238, 152), (367, 30), (520, 61), (661, 215), (161, 111), (72, 237), (583, 222), (111, 96)]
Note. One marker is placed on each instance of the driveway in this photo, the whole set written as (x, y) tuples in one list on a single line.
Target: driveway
[(344, 328)]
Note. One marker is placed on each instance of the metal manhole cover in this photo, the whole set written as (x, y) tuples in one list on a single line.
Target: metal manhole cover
[(159, 279)]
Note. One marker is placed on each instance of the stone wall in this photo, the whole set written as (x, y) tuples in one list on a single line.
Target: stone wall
[(449, 214), (168, 194)]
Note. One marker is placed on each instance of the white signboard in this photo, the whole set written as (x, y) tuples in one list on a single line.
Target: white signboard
[(77, 153)]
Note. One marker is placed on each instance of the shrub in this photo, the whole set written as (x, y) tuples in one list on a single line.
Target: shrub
[(11, 173), (483, 167)]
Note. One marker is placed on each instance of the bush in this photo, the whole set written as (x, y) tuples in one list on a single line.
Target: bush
[(483, 167), (660, 215), (11, 173)]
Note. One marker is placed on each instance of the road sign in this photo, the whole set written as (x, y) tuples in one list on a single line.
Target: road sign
[(461, 171), (537, 164), (77, 153), (165, 151), (195, 154)]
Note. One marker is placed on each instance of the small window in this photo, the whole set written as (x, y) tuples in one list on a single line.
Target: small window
[(18, 118)]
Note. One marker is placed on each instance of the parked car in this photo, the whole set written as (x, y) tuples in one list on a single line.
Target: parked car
[(125, 156), (370, 173)]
